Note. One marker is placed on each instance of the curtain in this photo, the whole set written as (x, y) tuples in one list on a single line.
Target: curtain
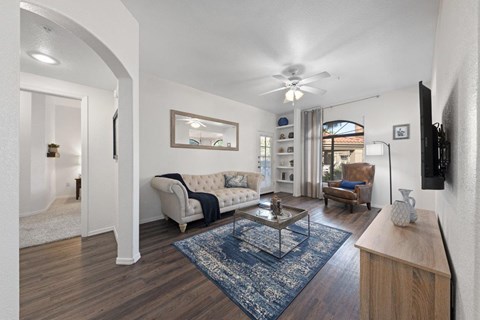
[(312, 157)]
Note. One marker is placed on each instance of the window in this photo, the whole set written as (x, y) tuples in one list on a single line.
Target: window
[(343, 142)]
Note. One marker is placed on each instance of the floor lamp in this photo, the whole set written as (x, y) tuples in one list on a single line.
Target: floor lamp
[(376, 149)]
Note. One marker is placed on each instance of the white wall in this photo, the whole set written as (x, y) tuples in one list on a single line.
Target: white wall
[(67, 135), (101, 188), (44, 120), (455, 104), (25, 130), (379, 115), (37, 172), (9, 161), (158, 97)]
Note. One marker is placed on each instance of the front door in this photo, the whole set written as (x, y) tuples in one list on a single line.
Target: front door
[(265, 162)]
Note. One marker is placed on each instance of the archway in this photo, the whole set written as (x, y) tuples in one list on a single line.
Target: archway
[(127, 225)]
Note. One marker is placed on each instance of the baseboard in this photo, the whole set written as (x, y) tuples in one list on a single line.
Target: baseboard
[(151, 219), (115, 232), (380, 206), (101, 230), (26, 214), (128, 261), (65, 196)]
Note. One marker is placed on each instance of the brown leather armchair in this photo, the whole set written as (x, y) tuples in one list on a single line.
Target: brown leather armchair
[(361, 194)]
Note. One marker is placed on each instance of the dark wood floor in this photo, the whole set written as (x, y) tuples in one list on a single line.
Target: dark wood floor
[(78, 279)]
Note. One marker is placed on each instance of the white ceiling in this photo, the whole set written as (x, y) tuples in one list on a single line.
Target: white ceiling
[(232, 48), (78, 62)]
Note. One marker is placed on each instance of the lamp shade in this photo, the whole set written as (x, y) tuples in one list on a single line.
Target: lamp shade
[(374, 149)]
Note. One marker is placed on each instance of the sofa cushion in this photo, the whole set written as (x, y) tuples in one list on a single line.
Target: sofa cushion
[(340, 193), (235, 181), (232, 196)]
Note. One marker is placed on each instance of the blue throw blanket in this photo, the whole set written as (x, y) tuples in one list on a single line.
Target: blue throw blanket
[(209, 202)]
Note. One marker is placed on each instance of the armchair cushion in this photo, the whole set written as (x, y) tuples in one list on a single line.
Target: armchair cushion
[(340, 193), (350, 184)]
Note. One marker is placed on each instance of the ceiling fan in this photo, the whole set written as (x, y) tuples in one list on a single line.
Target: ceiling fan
[(296, 85), (194, 122)]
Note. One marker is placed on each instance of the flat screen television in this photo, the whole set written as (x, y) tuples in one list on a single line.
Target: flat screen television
[(432, 173)]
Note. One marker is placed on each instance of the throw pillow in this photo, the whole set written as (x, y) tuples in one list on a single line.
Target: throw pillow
[(235, 181), (350, 184)]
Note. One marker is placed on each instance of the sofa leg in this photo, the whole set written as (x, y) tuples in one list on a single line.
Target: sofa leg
[(369, 206), (183, 227), (326, 201), (351, 208), (166, 218)]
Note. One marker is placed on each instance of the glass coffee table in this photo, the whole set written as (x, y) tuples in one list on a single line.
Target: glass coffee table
[(264, 217)]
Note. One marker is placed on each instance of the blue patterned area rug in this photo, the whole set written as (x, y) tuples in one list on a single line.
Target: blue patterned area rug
[(260, 284)]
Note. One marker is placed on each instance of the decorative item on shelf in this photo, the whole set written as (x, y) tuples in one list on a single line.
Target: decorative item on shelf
[(400, 213), (291, 163), (281, 150), (290, 149), (291, 177), (53, 147), (53, 150), (282, 122), (276, 205), (284, 176), (410, 201), (290, 135), (282, 136)]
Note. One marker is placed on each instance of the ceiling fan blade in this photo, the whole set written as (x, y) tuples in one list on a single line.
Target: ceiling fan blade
[(313, 90), (274, 90), (316, 77), (282, 78)]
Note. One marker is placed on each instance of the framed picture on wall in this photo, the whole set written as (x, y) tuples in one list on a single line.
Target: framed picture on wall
[(115, 135), (401, 131)]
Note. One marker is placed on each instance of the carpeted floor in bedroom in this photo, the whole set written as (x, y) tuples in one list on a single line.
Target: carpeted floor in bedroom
[(60, 221)]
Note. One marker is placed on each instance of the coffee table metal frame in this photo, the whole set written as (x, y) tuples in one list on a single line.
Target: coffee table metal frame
[(250, 213)]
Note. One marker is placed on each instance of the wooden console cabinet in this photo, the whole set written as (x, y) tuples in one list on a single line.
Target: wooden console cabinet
[(404, 272)]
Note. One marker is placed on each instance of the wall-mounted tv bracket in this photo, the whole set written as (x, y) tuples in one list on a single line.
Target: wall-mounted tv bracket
[(443, 150)]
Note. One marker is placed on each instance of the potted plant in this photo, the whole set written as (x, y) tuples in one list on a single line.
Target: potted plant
[(53, 147)]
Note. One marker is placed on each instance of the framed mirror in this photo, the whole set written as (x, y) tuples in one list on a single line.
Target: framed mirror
[(188, 130)]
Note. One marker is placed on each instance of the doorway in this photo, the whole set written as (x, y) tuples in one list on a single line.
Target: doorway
[(265, 161), (50, 168)]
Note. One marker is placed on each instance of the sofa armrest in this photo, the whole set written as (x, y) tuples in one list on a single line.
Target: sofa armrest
[(364, 193), (173, 197), (334, 183), (253, 180)]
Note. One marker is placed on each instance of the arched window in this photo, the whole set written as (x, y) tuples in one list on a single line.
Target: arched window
[(194, 142), (342, 143), (218, 143)]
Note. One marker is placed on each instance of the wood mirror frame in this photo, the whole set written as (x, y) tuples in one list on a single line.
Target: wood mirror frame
[(180, 116)]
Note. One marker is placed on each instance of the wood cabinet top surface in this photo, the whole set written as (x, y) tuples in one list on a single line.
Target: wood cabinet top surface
[(419, 244)]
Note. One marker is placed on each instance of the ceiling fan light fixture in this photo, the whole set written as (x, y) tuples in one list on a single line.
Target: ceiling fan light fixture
[(195, 125), (289, 94)]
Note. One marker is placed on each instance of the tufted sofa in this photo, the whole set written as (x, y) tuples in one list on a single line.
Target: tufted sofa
[(177, 206)]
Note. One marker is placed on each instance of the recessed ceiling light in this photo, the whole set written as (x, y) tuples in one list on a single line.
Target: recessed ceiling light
[(43, 57)]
